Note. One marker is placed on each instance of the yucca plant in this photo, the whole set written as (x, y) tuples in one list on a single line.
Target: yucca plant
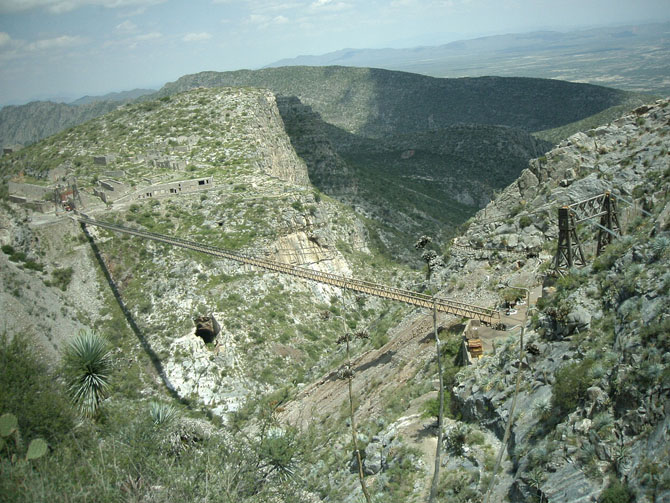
[(87, 367), (162, 413)]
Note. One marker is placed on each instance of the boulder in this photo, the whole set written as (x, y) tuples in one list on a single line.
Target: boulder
[(578, 319), (527, 183)]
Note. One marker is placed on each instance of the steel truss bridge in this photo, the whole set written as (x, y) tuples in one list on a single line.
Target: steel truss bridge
[(483, 314)]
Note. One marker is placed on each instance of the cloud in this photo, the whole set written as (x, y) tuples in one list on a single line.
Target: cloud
[(263, 21), (126, 27), (60, 6), (133, 41), (148, 36), (5, 39), (197, 37), (329, 5), (264, 5), (55, 43)]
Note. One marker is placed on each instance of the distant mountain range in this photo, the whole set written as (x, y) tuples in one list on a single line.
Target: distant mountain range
[(26, 124), (634, 58), (120, 96)]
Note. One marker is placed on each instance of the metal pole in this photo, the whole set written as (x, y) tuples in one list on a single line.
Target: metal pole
[(510, 419), (438, 448)]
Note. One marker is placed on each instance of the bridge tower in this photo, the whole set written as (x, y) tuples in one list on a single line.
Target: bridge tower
[(609, 223), (569, 252)]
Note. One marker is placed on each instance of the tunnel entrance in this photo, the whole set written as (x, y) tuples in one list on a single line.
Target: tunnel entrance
[(206, 327)]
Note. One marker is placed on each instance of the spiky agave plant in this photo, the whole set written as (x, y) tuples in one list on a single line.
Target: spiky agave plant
[(87, 366), (162, 413)]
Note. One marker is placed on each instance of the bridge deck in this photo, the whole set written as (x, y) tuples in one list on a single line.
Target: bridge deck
[(485, 315)]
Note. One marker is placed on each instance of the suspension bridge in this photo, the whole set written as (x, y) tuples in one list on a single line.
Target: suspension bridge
[(484, 315)]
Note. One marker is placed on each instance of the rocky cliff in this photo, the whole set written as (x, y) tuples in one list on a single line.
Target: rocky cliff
[(591, 382)]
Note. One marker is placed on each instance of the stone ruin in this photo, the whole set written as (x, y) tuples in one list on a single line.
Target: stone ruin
[(206, 327)]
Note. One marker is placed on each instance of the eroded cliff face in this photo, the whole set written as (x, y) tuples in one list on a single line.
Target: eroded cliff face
[(278, 157), (593, 403)]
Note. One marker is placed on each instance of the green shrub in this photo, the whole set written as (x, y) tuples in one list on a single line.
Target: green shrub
[(572, 381), (456, 439), (162, 413), (32, 265), (616, 492), (30, 392), (525, 221), (62, 277), (17, 257), (8, 249)]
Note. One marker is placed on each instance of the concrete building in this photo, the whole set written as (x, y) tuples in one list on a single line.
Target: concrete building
[(104, 160), (179, 187), (30, 191), (174, 164), (110, 190)]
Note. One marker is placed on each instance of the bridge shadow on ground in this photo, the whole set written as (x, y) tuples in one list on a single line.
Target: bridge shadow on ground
[(155, 360), (382, 359)]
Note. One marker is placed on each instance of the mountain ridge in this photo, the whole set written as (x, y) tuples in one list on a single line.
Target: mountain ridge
[(631, 57)]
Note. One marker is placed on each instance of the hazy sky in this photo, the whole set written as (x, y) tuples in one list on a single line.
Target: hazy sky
[(70, 48)]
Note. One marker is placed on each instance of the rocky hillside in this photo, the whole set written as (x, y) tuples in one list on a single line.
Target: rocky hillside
[(276, 333), (583, 387), (591, 384), (415, 154), (260, 203)]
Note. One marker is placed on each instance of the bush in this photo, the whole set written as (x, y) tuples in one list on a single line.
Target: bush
[(162, 413), (616, 492), (525, 221), (572, 381), (30, 392), (32, 265), (62, 277), (456, 439)]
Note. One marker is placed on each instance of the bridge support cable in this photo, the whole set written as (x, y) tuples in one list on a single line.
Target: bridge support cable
[(485, 315)]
